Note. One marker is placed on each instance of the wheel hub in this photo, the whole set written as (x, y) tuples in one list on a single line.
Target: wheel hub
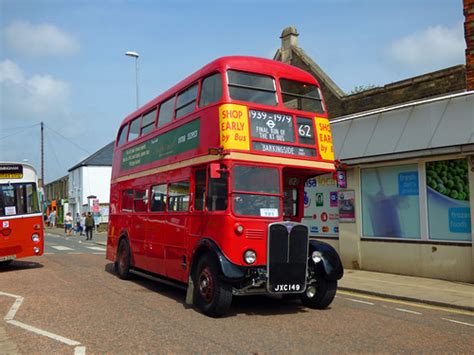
[(206, 284)]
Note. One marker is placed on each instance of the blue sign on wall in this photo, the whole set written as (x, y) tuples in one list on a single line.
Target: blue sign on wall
[(408, 183), (459, 220)]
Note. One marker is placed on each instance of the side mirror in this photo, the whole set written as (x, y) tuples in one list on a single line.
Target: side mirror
[(215, 169)]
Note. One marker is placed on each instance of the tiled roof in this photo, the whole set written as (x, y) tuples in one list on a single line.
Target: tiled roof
[(103, 157)]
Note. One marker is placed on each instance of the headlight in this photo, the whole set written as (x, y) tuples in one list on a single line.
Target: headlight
[(316, 256), (36, 250), (250, 257), (35, 238)]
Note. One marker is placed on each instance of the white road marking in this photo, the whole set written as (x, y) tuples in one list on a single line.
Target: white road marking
[(359, 301), (407, 311), (74, 253), (79, 350), (60, 247), (96, 248), (44, 333), (18, 301), (458, 322)]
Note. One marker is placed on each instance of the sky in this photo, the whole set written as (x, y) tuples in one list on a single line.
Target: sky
[(62, 62)]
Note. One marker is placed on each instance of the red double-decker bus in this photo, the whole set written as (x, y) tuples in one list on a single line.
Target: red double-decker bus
[(21, 220), (208, 186)]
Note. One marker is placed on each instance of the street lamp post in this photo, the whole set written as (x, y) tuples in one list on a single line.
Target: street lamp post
[(135, 55)]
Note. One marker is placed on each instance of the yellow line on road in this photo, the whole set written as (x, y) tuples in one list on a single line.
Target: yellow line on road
[(408, 303)]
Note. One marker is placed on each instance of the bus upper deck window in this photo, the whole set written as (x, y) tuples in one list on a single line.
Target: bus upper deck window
[(148, 122), (211, 90), (186, 101), (134, 129), (252, 87), (166, 112), (123, 135), (301, 96)]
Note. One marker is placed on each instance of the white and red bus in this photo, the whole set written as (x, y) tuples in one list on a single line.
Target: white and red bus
[(21, 220), (208, 184)]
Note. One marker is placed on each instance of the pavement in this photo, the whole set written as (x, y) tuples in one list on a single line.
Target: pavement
[(436, 292)]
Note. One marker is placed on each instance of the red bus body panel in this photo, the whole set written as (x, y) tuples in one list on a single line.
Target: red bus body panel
[(15, 240)]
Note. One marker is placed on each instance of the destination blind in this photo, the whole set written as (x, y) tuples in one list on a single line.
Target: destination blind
[(11, 171)]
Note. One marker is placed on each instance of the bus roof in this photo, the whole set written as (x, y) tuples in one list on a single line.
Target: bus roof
[(245, 63)]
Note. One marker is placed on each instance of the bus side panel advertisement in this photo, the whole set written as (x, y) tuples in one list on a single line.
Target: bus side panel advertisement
[(323, 129), (234, 127), (176, 141)]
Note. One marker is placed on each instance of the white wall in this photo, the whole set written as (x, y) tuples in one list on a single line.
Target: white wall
[(86, 181), (96, 181)]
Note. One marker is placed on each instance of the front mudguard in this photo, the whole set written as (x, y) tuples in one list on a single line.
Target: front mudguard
[(331, 266), (230, 271)]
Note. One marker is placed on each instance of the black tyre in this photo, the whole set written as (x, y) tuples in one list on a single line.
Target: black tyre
[(123, 261), (319, 294), (5, 263), (211, 296)]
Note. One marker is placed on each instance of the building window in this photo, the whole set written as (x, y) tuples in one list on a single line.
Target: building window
[(158, 198), (186, 101), (449, 214), (211, 90), (148, 122), (166, 112), (252, 87), (178, 197), (390, 202)]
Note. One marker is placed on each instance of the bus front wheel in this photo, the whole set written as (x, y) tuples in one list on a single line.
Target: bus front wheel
[(319, 294), (211, 296), (123, 262)]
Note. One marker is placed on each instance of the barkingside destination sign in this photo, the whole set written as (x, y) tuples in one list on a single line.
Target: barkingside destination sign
[(178, 140), (283, 149)]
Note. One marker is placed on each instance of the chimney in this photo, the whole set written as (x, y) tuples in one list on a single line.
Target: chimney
[(469, 36), (288, 40)]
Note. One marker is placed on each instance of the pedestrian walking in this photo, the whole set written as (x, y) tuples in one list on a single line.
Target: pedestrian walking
[(78, 228), (68, 223), (52, 219), (89, 226)]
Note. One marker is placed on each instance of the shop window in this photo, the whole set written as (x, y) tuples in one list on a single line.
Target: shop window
[(447, 185), (390, 202)]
